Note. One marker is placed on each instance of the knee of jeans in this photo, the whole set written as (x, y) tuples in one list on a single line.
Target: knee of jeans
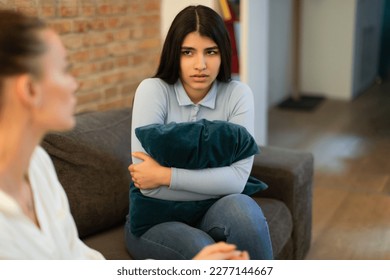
[(243, 206)]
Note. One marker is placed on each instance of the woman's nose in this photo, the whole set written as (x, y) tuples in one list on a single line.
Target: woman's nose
[(200, 63)]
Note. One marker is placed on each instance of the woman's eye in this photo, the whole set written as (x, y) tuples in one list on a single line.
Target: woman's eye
[(186, 52), (212, 52)]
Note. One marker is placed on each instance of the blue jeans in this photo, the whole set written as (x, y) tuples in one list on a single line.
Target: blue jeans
[(236, 219)]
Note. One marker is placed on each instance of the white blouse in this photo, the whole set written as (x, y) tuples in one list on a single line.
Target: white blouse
[(57, 237)]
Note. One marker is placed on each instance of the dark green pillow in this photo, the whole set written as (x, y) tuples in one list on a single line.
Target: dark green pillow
[(197, 145), (146, 212), (189, 145)]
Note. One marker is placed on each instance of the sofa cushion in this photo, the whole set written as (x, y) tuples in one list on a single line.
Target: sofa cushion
[(110, 243), (91, 162), (280, 223), (198, 145)]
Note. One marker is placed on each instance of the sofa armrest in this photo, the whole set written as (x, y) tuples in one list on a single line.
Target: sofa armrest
[(289, 175)]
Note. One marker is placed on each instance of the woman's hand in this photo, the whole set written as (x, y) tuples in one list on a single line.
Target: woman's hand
[(148, 174), (221, 251)]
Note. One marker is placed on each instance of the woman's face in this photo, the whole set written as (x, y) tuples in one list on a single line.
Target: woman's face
[(200, 61), (56, 87)]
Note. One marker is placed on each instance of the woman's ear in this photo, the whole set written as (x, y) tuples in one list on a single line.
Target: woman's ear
[(27, 91)]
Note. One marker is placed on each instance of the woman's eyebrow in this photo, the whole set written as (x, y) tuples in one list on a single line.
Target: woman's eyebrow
[(211, 48), (191, 48)]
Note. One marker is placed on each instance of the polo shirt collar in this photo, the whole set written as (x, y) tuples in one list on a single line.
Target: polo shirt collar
[(183, 99)]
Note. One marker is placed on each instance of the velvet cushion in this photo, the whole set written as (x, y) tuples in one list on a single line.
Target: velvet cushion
[(197, 145), (189, 145)]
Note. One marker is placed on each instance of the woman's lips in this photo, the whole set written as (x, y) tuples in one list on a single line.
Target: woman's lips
[(199, 78)]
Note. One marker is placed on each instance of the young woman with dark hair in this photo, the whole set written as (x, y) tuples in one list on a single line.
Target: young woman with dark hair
[(37, 96), (204, 21), (193, 82)]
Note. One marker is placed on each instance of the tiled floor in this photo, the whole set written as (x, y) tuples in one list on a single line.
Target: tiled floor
[(351, 146)]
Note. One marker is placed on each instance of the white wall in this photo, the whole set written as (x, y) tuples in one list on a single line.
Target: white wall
[(279, 55), (340, 46), (254, 59), (170, 8), (327, 39)]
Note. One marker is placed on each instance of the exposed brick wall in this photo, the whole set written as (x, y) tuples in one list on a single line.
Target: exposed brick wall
[(112, 44)]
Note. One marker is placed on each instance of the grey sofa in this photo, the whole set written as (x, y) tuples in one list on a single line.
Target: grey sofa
[(92, 160)]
